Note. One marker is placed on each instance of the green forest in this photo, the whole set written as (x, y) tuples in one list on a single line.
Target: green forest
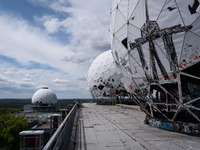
[(10, 126)]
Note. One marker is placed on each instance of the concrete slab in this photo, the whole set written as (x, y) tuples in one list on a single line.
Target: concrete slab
[(119, 128)]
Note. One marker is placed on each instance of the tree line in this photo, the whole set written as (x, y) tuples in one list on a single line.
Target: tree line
[(10, 126)]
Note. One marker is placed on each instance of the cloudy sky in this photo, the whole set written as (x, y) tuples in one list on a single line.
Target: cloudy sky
[(50, 43)]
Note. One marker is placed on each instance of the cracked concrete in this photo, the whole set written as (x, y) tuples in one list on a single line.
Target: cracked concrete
[(118, 128)]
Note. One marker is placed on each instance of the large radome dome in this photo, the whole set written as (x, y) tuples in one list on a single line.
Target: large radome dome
[(44, 96), (103, 76)]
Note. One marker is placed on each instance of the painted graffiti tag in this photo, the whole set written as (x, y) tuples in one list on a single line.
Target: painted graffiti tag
[(193, 9), (151, 31), (168, 126)]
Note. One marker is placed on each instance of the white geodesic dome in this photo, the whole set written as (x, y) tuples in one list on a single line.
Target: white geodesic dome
[(120, 15), (44, 96), (103, 76), (156, 44), (154, 39)]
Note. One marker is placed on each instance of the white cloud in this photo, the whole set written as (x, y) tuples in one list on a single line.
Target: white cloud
[(86, 22), (27, 43), (17, 84), (78, 58), (61, 82), (3, 79), (52, 25), (70, 84)]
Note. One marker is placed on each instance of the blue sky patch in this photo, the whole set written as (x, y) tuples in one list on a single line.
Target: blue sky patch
[(36, 65), (25, 9), (32, 64), (12, 61)]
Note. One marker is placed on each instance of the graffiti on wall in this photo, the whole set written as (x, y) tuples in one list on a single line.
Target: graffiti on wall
[(186, 128)]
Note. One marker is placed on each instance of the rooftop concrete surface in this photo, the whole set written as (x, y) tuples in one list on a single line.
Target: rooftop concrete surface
[(104, 127)]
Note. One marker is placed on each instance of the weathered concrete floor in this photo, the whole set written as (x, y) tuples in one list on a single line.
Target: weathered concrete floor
[(117, 128)]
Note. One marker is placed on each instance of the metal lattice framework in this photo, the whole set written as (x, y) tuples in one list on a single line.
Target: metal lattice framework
[(156, 44), (103, 77)]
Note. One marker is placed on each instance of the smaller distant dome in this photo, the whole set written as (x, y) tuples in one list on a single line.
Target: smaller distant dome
[(44, 96)]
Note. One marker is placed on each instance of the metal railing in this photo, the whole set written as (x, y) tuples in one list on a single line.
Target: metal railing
[(60, 139)]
